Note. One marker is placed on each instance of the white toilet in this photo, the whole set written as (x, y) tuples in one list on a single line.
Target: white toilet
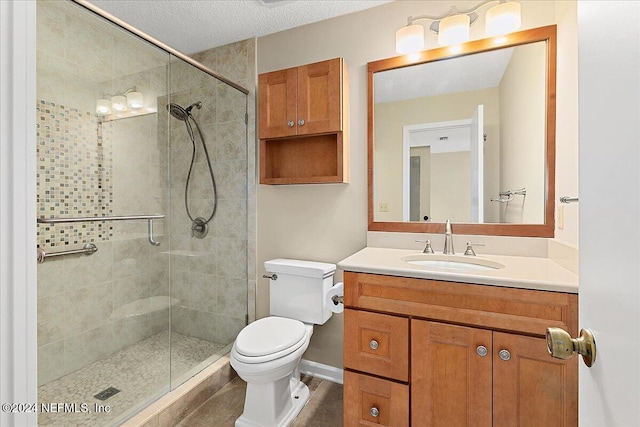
[(267, 352)]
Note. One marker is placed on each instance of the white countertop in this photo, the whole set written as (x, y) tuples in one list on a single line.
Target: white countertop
[(519, 272)]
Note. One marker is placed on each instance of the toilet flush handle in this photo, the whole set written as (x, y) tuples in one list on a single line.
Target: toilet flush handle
[(274, 276)]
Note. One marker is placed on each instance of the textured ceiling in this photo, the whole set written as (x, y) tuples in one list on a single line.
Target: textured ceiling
[(197, 25)]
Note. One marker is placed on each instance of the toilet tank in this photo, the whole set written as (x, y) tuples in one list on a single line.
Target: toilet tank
[(300, 289)]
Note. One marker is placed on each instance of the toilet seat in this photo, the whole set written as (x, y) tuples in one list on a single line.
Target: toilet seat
[(268, 339)]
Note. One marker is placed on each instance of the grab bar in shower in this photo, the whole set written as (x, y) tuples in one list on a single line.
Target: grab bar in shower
[(88, 249), (149, 218)]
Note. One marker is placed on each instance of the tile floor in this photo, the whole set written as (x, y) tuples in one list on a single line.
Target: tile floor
[(140, 371), (324, 408)]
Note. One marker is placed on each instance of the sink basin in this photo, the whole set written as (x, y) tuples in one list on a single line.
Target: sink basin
[(452, 262)]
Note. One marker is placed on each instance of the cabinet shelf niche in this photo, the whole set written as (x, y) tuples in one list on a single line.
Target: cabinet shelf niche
[(303, 160)]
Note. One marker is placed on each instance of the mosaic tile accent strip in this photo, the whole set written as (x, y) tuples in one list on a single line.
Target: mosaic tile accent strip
[(74, 176)]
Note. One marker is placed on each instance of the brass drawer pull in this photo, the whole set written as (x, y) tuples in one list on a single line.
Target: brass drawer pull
[(373, 345)]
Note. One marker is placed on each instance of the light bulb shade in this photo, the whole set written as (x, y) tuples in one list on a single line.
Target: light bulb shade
[(410, 39), (103, 107), (502, 19), (135, 100), (454, 29), (119, 103)]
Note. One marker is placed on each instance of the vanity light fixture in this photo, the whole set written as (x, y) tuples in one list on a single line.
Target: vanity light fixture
[(453, 28), (130, 99)]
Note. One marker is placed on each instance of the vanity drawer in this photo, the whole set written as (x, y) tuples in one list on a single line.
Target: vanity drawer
[(494, 307), (377, 344), (374, 401)]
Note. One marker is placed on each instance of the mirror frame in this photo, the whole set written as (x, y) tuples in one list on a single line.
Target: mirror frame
[(547, 34)]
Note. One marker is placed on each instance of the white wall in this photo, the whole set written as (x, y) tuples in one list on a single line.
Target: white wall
[(522, 156), (567, 120), (329, 222)]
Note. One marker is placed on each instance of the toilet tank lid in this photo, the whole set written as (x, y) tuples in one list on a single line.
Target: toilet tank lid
[(300, 268)]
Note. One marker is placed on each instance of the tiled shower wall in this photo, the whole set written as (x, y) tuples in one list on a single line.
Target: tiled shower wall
[(79, 296), (214, 277)]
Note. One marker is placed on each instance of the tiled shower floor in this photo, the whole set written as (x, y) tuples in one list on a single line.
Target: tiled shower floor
[(140, 372)]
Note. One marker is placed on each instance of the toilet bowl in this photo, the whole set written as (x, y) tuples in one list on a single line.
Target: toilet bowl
[(274, 391), (267, 352)]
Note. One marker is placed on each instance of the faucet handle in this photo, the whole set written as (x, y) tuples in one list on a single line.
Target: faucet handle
[(427, 249), (469, 250)]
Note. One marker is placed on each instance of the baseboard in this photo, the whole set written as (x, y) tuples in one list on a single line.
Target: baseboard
[(322, 371)]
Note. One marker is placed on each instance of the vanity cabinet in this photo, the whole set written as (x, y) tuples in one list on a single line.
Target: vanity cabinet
[(303, 124), (475, 355)]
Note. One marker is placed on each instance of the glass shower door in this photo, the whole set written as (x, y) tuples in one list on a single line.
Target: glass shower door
[(103, 319), (208, 166)]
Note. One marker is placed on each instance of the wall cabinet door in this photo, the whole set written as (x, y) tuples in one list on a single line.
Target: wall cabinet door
[(319, 97), (450, 375), (305, 100), (530, 388), (278, 103)]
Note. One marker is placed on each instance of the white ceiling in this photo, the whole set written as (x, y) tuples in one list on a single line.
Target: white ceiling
[(462, 74), (197, 25)]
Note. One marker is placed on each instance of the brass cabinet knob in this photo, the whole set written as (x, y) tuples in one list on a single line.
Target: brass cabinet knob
[(301, 122), (504, 355), (373, 345), (374, 412), (561, 346), (290, 123), (482, 351)]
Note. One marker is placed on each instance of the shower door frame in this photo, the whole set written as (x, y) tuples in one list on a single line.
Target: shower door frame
[(18, 289)]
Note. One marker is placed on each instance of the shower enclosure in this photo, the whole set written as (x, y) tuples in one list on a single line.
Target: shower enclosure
[(133, 304)]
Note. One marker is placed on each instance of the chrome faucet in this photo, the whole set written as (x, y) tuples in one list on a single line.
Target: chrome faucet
[(448, 239)]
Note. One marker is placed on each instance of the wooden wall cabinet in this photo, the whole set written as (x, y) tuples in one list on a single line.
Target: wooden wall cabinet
[(303, 120), (468, 354)]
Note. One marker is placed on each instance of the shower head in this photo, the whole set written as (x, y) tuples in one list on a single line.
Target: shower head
[(182, 113), (178, 112)]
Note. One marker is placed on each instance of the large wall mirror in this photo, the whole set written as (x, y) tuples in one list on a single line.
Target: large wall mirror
[(467, 136)]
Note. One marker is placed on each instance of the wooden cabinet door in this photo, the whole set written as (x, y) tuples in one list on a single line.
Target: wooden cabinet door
[(319, 97), (373, 401), (277, 103), (531, 388), (450, 379)]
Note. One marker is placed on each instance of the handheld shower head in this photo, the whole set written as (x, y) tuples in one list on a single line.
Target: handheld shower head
[(178, 112)]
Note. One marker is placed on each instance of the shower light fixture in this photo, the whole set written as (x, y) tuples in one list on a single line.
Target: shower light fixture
[(119, 103), (130, 99), (453, 27), (103, 106)]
